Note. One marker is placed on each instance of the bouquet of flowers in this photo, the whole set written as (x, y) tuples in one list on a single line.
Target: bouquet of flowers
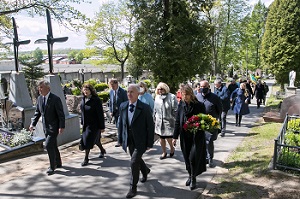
[(201, 121)]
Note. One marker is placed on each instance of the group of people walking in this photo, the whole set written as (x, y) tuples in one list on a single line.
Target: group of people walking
[(139, 116)]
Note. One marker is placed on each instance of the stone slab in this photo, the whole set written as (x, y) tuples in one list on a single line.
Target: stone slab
[(18, 91)]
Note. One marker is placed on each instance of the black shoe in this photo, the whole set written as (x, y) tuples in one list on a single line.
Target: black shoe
[(193, 183), (50, 171), (144, 178), (172, 154), (236, 124), (188, 182), (163, 156), (117, 145), (131, 193), (239, 124), (85, 162), (222, 135), (102, 153), (211, 163)]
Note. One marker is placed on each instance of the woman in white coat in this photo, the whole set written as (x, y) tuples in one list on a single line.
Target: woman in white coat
[(165, 107)]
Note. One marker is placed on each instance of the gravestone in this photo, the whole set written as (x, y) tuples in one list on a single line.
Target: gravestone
[(290, 105)]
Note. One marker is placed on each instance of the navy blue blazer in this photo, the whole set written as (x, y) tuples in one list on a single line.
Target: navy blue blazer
[(53, 116), (142, 126), (121, 97)]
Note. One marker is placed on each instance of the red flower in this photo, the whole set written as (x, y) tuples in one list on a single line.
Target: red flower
[(185, 126)]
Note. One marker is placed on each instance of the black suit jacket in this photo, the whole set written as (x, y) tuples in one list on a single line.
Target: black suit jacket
[(142, 126), (53, 116)]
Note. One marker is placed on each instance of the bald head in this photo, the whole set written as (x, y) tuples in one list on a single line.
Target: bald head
[(133, 92), (204, 87)]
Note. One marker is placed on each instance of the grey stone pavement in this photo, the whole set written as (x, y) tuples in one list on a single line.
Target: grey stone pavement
[(109, 178)]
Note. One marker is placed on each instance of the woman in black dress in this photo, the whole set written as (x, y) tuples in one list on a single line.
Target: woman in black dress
[(92, 120), (193, 146)]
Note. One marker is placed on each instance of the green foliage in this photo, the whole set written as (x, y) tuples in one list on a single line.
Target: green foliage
[(92, 82), (148, 82), (104, 96), (171, 41), (294, 124), (101, 87), (112, 28), (292, 139), (76, 91), (289, 158), (280, 45), (77, 83)]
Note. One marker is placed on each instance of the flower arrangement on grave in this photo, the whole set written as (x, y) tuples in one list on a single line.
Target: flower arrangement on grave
[(204, 122)]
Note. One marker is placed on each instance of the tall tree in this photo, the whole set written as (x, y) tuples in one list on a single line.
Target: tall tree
[(255, 31), (171, 40), (113, 28), (229, 36), (281, 41)]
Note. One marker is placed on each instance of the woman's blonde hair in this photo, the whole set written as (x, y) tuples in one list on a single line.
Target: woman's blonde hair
[(143, 84), (162, 85), (189, 91)]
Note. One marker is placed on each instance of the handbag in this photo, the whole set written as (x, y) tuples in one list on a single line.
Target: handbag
[(80, 145)]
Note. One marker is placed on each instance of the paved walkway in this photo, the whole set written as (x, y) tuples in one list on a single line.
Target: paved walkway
[(109, 178)]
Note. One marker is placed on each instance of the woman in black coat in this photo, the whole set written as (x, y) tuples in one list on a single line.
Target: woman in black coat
[(193, 146), (92, 120)]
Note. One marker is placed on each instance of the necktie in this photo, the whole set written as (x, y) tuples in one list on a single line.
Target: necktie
[(131, 108), (115, 101), (44, 103)]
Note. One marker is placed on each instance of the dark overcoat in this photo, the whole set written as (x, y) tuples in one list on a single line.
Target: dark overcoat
[(142, 126), (190, 141), (92, 120), (224, 95), (240, 105)]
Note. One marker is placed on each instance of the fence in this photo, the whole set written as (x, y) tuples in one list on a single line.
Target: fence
[(287, 155)]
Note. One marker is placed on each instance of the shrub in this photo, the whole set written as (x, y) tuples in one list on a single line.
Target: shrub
[(292, 139), (148, 82), (77, 83), (92, 82), (76, 91), (294, 124), (101, 87), (104, 96)]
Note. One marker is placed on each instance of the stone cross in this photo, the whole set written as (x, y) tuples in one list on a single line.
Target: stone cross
[(50, 41)]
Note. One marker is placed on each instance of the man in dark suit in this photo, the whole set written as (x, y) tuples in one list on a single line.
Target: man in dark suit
[(136, 131), (117, 95), (213, 106), (49, 106)]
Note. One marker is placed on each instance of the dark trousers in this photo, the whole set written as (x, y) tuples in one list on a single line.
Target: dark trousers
[(210, 145), (223, 121), (137, 164), (52, 149)]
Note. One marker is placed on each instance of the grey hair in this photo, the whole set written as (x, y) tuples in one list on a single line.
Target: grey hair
[(135, 86), (218, 81), (44, 82)]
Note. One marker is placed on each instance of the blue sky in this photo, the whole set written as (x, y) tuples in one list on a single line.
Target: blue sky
[(36, 28)]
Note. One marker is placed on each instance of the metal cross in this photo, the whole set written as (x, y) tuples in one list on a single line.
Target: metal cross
[(16, 44), (50, 41)]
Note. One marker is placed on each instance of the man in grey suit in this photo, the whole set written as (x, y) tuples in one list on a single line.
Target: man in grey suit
[(49, 106), (117, 95), (136, 131)]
